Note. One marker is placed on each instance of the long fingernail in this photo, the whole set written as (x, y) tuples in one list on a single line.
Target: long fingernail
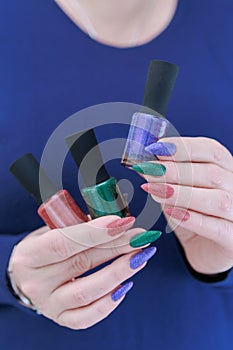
[(159, 190), (144, 238), (161, 148), (120, 225), (121, 291), (148, 168), (176, 213), (141, 257)]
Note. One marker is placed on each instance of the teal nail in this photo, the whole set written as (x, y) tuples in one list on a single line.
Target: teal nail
[(148, 168), (144, 238)]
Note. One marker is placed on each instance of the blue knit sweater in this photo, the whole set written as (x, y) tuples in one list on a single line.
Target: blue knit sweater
[(50, 69)]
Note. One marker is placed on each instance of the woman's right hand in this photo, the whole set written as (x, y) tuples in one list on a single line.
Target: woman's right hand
[(46, 266)]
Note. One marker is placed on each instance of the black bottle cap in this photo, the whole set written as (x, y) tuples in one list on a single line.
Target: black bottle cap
[(28, 172), (80, 144), (160, 81)]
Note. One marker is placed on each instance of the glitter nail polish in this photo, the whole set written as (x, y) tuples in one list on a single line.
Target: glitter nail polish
[(144, 238), (58, 209), (162, 148), (141, 257), (149, 125), (144, 130), (148, 168), (102, 195), (159, 190), (121, 291), (177, 213), (119, 225)]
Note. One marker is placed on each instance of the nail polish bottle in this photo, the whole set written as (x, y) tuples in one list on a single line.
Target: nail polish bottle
[(102, 195), (58, 209), (149, 125)]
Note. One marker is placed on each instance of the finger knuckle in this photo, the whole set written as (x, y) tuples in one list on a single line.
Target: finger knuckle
[(209, 204), (189, 151), (223, 228), (76, 323), (188, 172), (118, 250), (225, 202), (80, 324), (174, 174), (116, 276), (92, 238), (20, 257), (102, 311), (202, 223), (30, 289), (219, 151), (58, 247), (214, 175), (60, 320), (80, 297), (71, 322), (81, 262), (19, 262)]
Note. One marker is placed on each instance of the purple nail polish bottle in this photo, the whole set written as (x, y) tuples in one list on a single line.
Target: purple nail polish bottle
[(149, 125)]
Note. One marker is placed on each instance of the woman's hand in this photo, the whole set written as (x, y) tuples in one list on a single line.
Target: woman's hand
[(193, 181), (46, 266)]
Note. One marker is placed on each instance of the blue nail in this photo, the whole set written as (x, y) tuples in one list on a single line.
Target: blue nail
[(121, 291), (140, 258), (162, 148)]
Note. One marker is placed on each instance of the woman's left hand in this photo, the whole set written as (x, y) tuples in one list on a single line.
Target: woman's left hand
[(196, 194)]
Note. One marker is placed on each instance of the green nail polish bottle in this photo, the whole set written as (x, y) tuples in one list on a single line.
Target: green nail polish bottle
[(101, 194), (105, 199)]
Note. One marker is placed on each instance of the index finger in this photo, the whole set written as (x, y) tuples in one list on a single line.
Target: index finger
[(60, 244), (197, 149)]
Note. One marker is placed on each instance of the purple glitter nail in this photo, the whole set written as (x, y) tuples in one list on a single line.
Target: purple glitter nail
[(162, 148), (145, 129), (121, 291), (140, 258)]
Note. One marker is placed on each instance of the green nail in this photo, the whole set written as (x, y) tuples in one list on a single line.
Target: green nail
[(144, 238), (148, 168)]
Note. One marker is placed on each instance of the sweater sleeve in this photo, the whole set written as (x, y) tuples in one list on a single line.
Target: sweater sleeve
[(7, 243), (227, 282), (219, 280)]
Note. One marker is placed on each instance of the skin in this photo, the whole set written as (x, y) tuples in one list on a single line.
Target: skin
[(201, 175), (58, 256), (121, 23), (45, 262)]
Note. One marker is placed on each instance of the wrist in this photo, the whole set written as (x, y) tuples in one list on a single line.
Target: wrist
[(15, 290), (203, 277)]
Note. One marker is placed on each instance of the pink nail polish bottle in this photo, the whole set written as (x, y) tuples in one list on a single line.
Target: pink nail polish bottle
[(58, 209)]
